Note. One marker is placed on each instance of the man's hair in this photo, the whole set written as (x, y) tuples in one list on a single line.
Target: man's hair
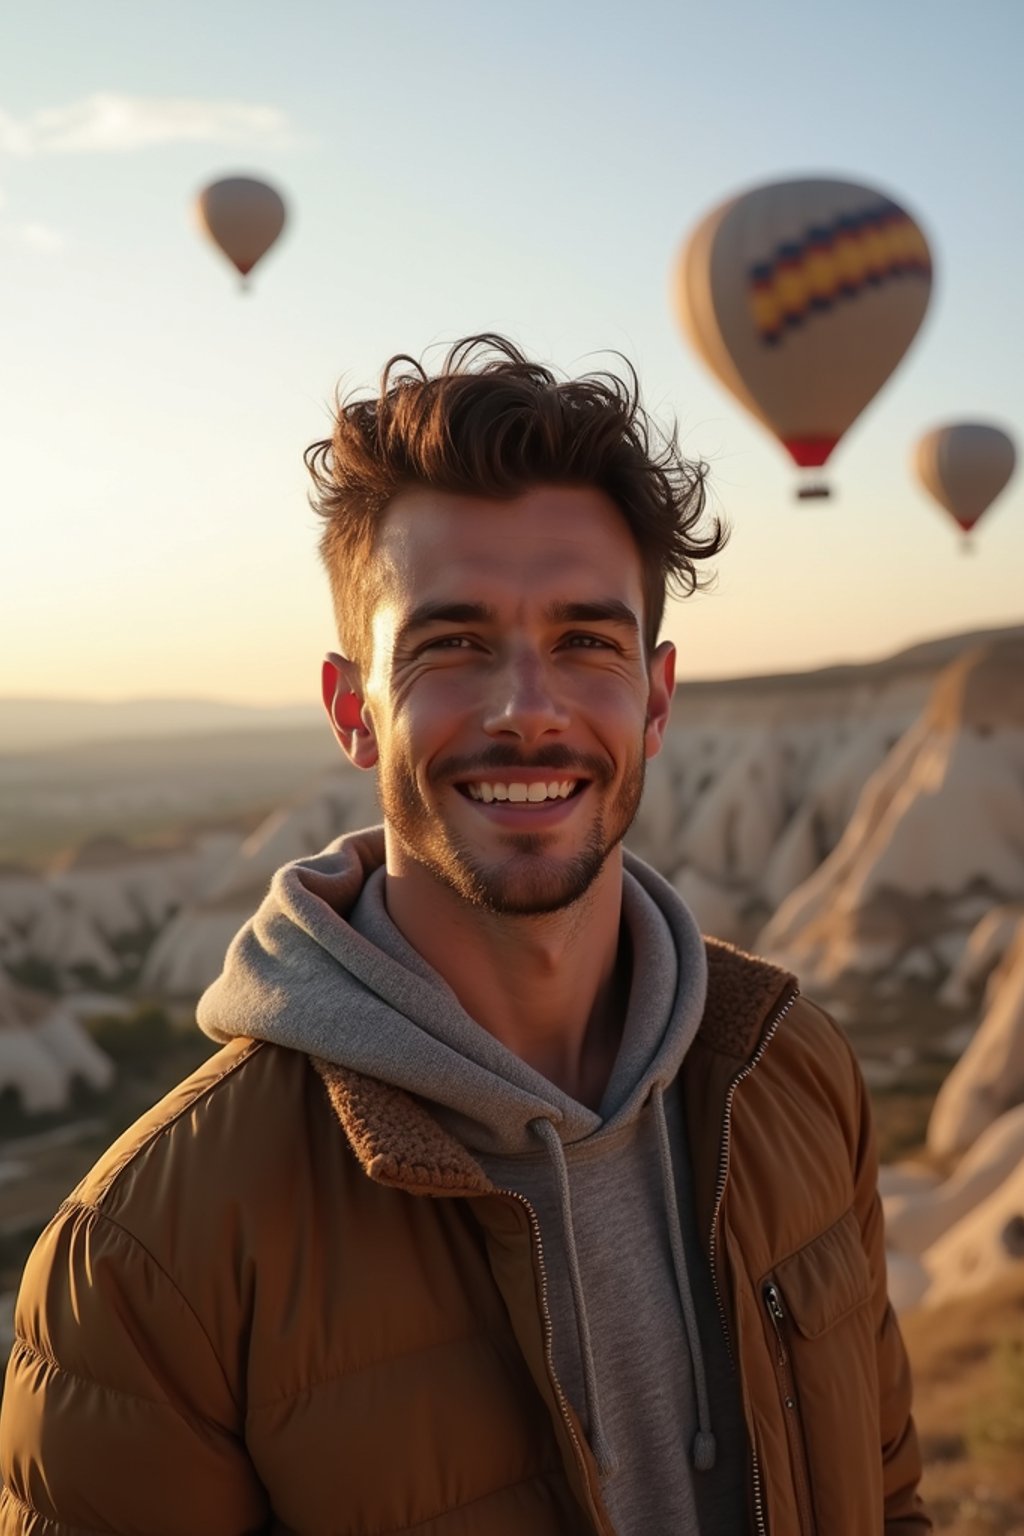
[(493, 424)]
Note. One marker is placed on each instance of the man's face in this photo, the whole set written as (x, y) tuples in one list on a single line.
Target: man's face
[(508, 702)]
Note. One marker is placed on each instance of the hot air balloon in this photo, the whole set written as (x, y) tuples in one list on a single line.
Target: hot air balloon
[(964, 466), (802, 296), (243, 217)]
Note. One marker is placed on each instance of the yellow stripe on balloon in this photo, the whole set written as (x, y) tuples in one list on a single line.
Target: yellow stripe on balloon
[(824, 272), (792, 290), (822, 277), (767, 310)]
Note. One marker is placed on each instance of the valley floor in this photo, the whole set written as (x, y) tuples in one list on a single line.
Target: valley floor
[(968, 1360)]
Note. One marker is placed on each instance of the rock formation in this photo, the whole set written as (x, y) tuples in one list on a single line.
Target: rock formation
[(936, 840), (189, 952), (982, 956), (985, 1245), (44, 1049), (989, 1077), (84, 917), (915, 1219)]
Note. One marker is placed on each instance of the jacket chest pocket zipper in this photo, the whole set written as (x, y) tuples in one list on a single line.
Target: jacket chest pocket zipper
[(773, 1305)]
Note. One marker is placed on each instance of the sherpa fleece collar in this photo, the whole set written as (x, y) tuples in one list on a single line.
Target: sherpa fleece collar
[(398, 1142)]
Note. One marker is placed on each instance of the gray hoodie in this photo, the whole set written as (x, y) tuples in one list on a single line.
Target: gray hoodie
[(638, 1346)]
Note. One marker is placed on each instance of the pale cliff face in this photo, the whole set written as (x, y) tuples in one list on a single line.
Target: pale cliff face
[(935, 839), (988, 1080)]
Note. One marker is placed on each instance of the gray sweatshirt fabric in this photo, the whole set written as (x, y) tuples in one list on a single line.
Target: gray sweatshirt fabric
[(637, 1338)]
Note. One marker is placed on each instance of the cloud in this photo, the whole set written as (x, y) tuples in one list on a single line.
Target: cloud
[(40, 237), (31, 235), (107, 123)]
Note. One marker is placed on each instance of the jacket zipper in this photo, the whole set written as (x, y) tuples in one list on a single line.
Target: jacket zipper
[(777, 1317), (723, 1177), (549, 1332)]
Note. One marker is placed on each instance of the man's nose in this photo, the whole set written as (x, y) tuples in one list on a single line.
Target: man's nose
[(523, 700)]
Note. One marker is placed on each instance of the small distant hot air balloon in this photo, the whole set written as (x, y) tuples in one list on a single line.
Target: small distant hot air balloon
[(243, 217), (964, 466), (802, 296)]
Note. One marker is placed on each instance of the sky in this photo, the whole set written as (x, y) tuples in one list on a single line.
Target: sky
[(449, 168)]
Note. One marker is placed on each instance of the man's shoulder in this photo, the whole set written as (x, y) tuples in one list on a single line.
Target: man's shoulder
[(217, 1127), (753, 1004)]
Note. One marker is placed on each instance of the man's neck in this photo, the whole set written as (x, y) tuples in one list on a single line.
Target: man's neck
[(553, 989)]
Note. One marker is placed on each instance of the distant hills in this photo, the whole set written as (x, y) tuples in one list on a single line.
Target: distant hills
[(33, 725), (925, 657)]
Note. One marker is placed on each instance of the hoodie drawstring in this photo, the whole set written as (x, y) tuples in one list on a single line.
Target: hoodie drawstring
[(553, 1142), (704, 1448), (703, 1451)]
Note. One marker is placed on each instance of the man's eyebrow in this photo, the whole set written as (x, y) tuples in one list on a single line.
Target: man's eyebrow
[(608, 610), (444, 613)]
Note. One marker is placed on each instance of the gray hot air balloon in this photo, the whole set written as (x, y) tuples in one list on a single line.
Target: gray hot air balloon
[(964, 466), (243, 217)]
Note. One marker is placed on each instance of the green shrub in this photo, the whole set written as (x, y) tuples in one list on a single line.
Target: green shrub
[(136, 1040), (38, 975), (996, 1424)]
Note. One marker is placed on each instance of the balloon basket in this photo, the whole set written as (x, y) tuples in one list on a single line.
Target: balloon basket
[(813, 490)]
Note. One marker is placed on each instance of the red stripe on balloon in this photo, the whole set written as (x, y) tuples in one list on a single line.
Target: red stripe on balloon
[(809, 452)]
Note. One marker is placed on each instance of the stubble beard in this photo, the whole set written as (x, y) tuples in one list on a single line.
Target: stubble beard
[(528, 882)]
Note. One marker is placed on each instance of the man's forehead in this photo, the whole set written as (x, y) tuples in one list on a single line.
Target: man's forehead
[(553, 536)]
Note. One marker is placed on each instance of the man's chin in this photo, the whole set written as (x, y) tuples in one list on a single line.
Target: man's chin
[(529, 885)]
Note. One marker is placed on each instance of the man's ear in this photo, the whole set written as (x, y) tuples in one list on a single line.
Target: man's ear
[(350, 719), (661, 676)]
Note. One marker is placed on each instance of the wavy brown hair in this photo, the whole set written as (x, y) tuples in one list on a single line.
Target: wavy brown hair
[(494, 424)]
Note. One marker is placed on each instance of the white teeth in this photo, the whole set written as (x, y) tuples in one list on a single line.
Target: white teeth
[(520, 794)]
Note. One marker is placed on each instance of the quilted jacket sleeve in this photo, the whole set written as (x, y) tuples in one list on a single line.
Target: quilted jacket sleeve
[(117, 1416), (904, 1511)]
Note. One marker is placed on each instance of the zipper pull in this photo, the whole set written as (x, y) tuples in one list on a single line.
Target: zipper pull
[(777, 1315)]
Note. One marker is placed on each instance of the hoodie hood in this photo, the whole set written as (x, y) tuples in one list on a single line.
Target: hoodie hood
[(321, 968)]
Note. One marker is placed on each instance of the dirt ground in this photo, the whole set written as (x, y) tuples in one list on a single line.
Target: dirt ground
[(968, 1361)]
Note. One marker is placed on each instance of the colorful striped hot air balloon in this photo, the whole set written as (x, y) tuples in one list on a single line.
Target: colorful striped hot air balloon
[(243, 217), (965, 466), (802, 296)]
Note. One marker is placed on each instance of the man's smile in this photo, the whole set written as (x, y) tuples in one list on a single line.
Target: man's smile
[(521, 791)]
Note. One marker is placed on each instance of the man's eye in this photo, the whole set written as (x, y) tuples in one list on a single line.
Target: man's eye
[(588, 642), (449, 643)]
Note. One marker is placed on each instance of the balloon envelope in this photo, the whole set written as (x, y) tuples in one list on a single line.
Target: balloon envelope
[(965, 465), (802, 296), (243, 217)]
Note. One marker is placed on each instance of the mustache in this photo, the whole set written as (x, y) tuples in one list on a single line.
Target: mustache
[(555, 756)]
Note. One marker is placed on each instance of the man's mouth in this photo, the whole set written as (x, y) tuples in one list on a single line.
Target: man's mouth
[(519, 792)]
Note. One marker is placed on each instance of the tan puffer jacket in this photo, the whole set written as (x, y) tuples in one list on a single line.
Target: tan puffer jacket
[(248, 1318)]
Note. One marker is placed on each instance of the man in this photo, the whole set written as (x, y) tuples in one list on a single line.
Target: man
[(509, 1205)]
